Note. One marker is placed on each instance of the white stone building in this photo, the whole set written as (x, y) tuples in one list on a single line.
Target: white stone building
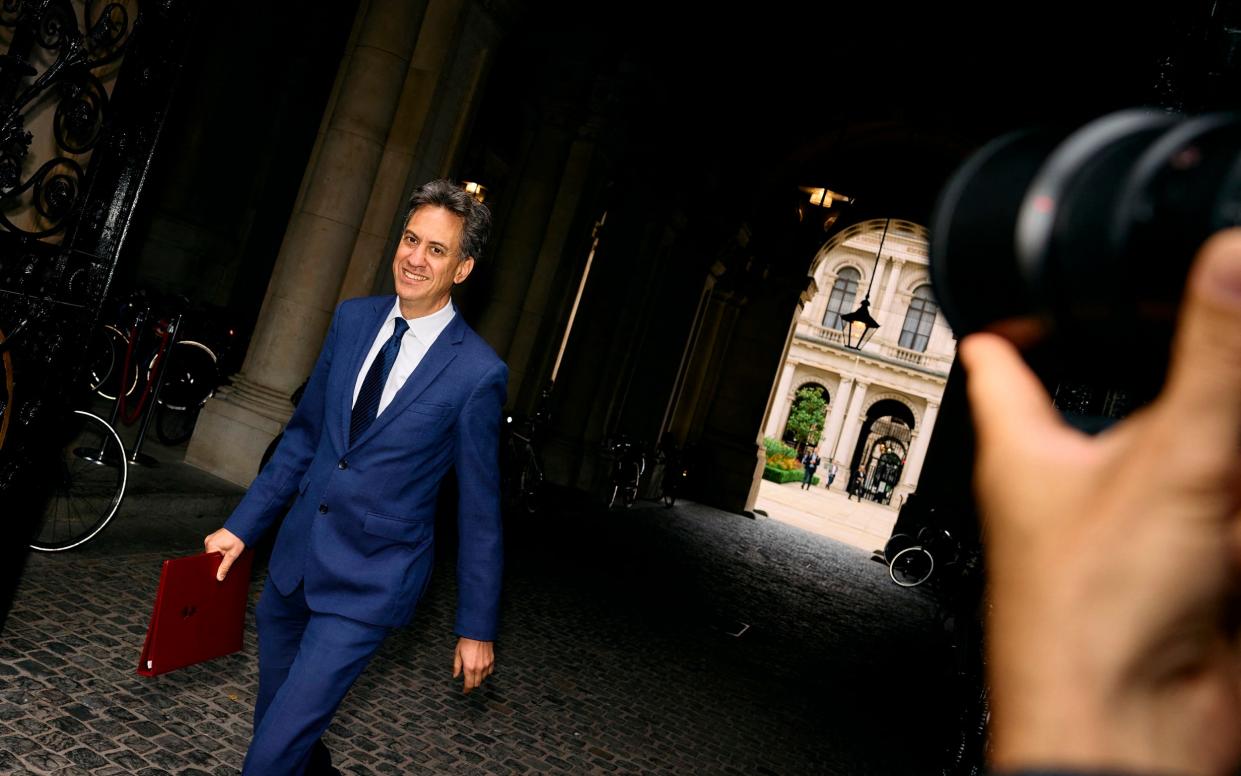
[(882, 401)]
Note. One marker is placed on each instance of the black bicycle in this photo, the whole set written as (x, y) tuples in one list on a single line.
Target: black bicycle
[(88, 476), (955, 575), (123, 358), (628, 466), (675, 471), (521, 472)]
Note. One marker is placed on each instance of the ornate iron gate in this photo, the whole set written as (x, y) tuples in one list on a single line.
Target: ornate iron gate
[(84, 89)]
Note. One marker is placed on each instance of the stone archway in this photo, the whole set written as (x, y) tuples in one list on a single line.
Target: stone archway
[(882, 449), (787, 436)]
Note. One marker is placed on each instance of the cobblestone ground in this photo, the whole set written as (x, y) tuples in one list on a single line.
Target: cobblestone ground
[(615, 657)]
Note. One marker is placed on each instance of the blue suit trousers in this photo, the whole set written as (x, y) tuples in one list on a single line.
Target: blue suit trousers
[(307, 662)]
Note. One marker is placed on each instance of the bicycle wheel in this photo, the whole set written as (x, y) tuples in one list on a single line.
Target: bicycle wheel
[(897, 542), (190, 375), (111, 383), (89, 483), (615, 491), (101, 359), (911, 567)]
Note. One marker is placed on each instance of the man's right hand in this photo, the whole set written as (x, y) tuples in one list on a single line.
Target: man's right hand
[(226, 543)]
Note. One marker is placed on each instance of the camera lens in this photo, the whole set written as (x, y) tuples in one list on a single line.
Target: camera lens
[(1088, 236)]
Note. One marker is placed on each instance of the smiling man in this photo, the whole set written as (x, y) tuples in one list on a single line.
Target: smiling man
[(403, 391)]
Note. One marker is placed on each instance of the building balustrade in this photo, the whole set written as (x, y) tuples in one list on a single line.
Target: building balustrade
[(813, 332)]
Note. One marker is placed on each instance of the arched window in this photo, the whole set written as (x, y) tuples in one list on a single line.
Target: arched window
[(841, 300), (919, 320)]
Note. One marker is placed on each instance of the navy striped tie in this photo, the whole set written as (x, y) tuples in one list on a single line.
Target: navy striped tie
[(366, 407)]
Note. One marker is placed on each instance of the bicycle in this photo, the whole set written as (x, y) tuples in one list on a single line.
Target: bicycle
[(88, 476), (192, 368), (628, 466), (957, 572), (522, 473), (675, 471), (912, 562)]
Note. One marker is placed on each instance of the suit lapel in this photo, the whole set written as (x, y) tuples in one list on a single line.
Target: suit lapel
[(438, 356)]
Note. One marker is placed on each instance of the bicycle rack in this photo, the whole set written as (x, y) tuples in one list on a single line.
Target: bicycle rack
[(136, 456)]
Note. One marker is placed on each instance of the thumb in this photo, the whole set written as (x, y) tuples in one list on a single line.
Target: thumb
[(1204, 377), (456, 663)]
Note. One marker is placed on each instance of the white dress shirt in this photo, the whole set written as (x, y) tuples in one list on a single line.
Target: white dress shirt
[(414, 345)]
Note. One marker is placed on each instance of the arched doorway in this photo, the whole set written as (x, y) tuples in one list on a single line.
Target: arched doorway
[(807, 416), (882, 449)]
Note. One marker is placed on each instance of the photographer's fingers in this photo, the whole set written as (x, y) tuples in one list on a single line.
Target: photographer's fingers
[(1204, 377), (1007, 400)]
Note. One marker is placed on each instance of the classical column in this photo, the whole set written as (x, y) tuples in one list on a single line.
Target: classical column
[(372, 253), (852, 426), (917, 452), (831, 434), (521, 244), (779, 411), (236, 426), (552, 254), (886, 313)]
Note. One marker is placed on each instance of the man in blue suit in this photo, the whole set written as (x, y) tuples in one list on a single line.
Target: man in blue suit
[(403, 391)]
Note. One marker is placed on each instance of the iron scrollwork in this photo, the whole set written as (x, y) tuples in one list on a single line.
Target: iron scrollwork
[(80, 46)]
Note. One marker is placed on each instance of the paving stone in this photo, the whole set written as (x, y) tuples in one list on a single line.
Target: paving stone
[(612, 660)]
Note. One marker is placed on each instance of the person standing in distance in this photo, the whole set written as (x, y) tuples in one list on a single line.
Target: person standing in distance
[(402, 392)]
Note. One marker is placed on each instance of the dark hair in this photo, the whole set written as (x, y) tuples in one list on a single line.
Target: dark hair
[(476, 217)]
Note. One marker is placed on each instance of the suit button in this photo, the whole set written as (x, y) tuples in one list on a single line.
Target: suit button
[(343, 464), (323, 509)]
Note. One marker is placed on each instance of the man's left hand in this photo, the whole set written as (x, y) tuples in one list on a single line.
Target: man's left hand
[(476, 659)]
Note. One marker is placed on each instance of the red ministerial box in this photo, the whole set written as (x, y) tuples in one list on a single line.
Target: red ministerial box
[(195, 618)]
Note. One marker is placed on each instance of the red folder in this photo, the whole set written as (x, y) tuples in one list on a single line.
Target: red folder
[(195, 618)]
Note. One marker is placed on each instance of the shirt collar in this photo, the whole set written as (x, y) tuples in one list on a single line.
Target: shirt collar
[(428, 327)]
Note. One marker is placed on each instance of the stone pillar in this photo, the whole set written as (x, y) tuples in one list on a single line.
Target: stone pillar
[(371, 251), (536, 302), (521, 244), (831, 434), (779, 411), (886, 314), (852, 427), (236, 426), (917, 452)]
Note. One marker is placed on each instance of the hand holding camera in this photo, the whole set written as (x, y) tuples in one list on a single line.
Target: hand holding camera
[(1112, 559)]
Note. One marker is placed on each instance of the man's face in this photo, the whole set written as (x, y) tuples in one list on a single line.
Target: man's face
[(428, 260)]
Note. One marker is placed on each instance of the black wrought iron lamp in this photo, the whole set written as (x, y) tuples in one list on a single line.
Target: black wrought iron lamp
[(860, 325)]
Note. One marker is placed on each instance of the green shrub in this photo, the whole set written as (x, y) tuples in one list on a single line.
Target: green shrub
[(777, 448), (781, 476)]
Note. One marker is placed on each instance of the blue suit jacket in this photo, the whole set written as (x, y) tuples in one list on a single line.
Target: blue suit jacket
[(360, 531)]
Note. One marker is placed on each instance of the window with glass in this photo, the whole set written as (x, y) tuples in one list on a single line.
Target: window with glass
[(844, 290), (919, 320)]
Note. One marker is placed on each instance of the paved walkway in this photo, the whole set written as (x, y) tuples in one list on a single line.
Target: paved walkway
[(862, 524), (616, 656)]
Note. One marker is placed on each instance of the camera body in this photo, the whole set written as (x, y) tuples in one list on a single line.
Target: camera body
[(1076, 244)]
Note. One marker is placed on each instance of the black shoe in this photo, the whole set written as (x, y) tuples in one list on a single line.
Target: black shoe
[(320, 763)]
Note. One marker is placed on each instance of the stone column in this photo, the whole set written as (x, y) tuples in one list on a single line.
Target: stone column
[(372, 253), (779, 411), (917, 451), (831, 434), (236, 426), (534, 200), (536, 301), (886, 314), (852, 427)]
